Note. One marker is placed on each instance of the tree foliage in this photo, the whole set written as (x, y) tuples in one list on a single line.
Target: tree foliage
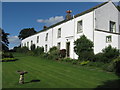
[(83, 48), (24, 33), (4, 40), (110, 53)]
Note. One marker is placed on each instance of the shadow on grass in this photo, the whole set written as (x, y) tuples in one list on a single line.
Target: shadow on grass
[(32, 81), (110, 84)]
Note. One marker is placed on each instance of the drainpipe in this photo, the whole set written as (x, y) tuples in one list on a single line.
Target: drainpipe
[(74, 37), (52, 37), (93, 26)]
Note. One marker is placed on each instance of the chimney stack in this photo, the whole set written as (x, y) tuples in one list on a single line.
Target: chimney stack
[(44, 27), (68, 16)]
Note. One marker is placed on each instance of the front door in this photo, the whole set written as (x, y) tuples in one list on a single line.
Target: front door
[(68, 49)]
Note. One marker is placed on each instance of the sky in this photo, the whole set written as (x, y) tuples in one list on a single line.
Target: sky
[(19, 15)]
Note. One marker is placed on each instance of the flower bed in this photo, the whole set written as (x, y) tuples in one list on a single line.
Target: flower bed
[(7, 59)]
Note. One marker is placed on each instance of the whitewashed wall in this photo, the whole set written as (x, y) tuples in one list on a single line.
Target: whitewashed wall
[(97, 19), (105, 14)]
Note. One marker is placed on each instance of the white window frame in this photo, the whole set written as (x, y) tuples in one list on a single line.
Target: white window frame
[(59, 33), (59, 45), (112, 26), (80, 26), (108, 39), (37, 39), (46, 38)]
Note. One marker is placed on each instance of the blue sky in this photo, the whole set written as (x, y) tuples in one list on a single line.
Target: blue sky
[(19, 15)]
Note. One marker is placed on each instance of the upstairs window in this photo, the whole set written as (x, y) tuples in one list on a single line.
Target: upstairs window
[(119, 28), (37, 39), (79, 26), (46, 38), (108, 39), (112, 26), (59, 33)]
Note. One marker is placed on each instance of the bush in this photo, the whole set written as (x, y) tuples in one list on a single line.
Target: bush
[(63, 53), (30, 53), (54, 53), (7, 55), (23, 49), (99, 58), (53, 49), (110, 67), (38, 51), (67, 59), (84, 63), (117, 65), (110, 53), (44, 55), (114, 66), (96, 64), (74, 61), (32, 47), (84, 48)]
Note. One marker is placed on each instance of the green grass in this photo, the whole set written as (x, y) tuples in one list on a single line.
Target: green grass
[(52, 74)]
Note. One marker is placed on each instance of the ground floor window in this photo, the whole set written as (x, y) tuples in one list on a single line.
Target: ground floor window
[(46, 48), (59, 45), (68, 49), (108, 39)]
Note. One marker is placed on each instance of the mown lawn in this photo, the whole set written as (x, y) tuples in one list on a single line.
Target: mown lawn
[(52, 74)]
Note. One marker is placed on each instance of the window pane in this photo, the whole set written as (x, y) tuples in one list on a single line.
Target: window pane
[(79, 27)]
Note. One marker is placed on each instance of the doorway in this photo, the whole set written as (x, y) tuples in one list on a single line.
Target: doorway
[(68, 49)]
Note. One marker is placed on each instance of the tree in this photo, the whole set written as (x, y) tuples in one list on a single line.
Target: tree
[(4, 40), (84, 48), (24, 33)]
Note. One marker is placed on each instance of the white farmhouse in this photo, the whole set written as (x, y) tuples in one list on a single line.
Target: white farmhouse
[(100, 24)]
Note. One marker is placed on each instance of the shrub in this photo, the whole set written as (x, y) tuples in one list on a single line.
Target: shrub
[(74, 61), (7, 55), (8, 59), (99, 58), (110, 67), (44, 55), (110, 53), (38, 51), (32, 47), (62, 53), (30, 53), (23, 49), (68, 59), (84, 63), (83, 48), (53, 49), (54, 53)]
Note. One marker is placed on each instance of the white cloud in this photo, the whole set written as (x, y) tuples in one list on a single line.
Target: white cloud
[(51, 20), (14, 40)]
